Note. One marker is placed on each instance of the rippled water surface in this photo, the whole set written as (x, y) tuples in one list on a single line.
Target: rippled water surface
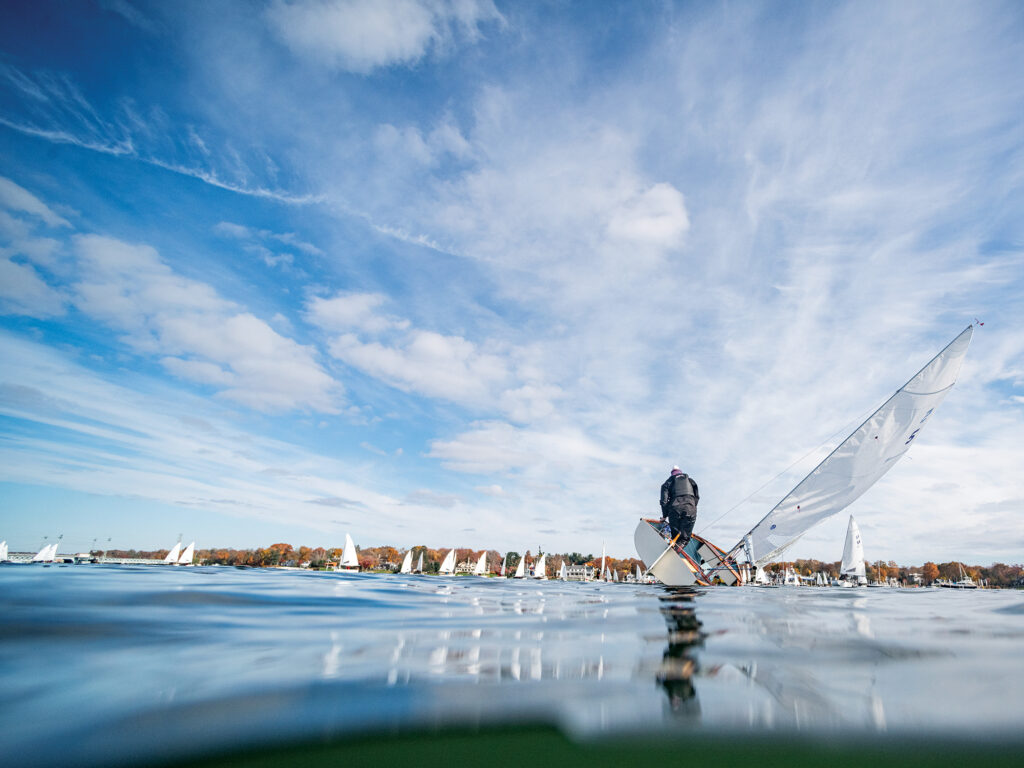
[(105, 664)]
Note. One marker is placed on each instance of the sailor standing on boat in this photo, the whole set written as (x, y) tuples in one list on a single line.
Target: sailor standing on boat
[(679, 497)]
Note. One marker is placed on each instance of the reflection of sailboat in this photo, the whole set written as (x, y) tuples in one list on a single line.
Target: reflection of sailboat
[(349, 559), (540, 568), (678, 666), (520, 569), (481, 565), (852, 571), (406, 563), (448, 564), (852, 468)]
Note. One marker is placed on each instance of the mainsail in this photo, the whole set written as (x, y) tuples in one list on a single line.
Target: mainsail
[(407, 563), (481, 565), (349, 558), (521, 568), (174, 554), (861, 459), (540, 568), (188, 555), (853, 554), (448, 564)]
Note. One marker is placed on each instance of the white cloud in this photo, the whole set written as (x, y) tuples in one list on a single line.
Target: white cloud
[(352, 311), (23, 292), (362, 35), (16, 198), (199, 335)]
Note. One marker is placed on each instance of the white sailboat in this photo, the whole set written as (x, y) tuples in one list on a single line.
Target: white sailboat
[(448, 564), (481, 565), (540, 568), (563, 572), (349, 558), (174, 554), (639, 576), (188, 555), (604, 571), (43, 555), (406, 563), (846, 473), (520, 569), (419, 565), (852, 570), (3, 551), (504, 560)]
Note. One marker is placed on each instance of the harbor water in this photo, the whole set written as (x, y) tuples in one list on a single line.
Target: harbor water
[(106, 665)]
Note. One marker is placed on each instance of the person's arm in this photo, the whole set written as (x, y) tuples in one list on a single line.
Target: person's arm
[(666, 496), (696, 493)]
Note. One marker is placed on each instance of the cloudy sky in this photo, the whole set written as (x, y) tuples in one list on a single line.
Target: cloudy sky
[(476, 274)]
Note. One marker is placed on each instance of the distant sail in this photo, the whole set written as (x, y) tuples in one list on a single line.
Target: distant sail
[(563, 573), (504, 560), (3, 551), (419, 565), (188, 555), (349, 559), (174, 554), (853, 554), (639, 576), (481, 565), (43, 555), (603, 551), (448, 565), (540, 568), (521, 568), (861, 459), (407, 563)]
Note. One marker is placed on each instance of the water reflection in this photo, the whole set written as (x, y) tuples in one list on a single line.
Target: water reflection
[(679, 665)]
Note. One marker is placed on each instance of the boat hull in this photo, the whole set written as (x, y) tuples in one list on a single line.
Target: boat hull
[(700, 564)]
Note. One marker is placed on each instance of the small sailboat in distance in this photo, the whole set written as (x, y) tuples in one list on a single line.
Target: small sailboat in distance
[(406, 563), (448, 564), (504, 561), (188, 555), (852, 571), (540, 568), (349, 558), (481, 565), (563, 572), (521, 568), (3, 551), (174, 554), (419, 565)]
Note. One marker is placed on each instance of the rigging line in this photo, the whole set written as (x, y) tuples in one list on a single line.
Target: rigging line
[(857, 420)]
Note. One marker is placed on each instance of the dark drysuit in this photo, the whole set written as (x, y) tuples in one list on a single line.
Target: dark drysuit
[(679, 497)]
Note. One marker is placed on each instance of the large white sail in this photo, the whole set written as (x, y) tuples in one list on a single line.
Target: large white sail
[(540, 568), (43, 555), (407, 563), (448, 564), (481, 565), (853, 555), (174, 554), (349, 559), (521, 568), (188, 555), (861, 459)]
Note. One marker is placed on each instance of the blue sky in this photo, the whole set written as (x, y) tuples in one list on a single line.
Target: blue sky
[(473, 274)]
